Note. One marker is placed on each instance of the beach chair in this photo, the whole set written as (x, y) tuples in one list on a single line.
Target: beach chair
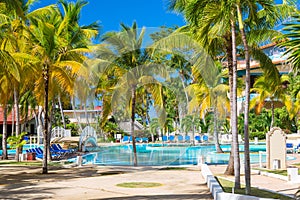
[(187, 138), (297, 148), (289, 147), (57, 150), (171, 138), (164, 138), (125, 139), (204, 138), (198, 139), (138, 139), (180, 138), (144, 139)]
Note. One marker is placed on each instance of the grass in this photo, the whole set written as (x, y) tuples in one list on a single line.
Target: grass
[(139, 184), (173, 168), (228, 185), (280, 172)]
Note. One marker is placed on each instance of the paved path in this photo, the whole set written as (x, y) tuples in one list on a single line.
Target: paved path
[(264, 182), (100, 183)]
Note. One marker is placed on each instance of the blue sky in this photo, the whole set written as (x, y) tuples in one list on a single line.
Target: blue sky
[(148, 13)]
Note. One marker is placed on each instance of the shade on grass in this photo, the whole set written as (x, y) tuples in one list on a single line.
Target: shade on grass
[(228, 185), (139, 184)]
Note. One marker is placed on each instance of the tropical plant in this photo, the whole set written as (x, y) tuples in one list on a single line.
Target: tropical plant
[(16, 142), (126, 71), (270, 91), (60, 44), (209, 98)]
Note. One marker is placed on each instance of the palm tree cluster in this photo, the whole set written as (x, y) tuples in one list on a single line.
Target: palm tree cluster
[(188, 74), (42, 54)]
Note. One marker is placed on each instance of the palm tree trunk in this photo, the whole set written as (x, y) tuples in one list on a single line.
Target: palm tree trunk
[(273, 114), (50, 128), (230, 167), (133, 99), (13, 120), (4, 136), (45, 128), (235, 142), (247, 103), (61, 111), (18, 127), (216, 136)]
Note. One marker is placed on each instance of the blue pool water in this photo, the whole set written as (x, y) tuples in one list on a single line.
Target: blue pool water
[(25, 147), (157, 155)]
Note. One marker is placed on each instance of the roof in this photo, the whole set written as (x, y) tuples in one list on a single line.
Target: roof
[(10, 119)]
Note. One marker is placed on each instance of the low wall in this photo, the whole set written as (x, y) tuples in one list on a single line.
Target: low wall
[(217, 191)]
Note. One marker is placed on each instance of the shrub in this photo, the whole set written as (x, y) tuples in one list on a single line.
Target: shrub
[(260, 135)]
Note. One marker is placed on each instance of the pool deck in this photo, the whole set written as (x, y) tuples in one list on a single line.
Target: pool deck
[(94, 182), (99, 182)]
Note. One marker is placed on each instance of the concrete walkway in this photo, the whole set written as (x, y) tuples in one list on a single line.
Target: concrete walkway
[(100, 183)]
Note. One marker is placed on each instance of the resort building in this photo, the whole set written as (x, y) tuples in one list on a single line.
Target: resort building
[(84, 116), (278, 58), (28, 124)]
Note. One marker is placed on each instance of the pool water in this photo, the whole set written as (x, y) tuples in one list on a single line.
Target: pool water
[(25, 147), (159, 154)]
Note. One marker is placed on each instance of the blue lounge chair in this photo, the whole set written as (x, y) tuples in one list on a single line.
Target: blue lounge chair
[(205, 138), (57, 150), (171, 138), (164, 138), (187, 138), (138, 139), (144, 139), (180, 138), (125, 139), (197, 138), (289, 147)]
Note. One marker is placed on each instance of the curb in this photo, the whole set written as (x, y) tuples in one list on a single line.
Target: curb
[(217, 191)]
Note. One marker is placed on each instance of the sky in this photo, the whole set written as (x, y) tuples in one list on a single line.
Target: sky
[(147, 13)]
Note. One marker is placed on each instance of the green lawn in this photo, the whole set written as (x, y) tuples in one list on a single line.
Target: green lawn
[(228, 185)]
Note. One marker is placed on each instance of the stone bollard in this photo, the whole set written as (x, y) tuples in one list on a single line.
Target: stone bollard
[(292, 174), (79, 161)]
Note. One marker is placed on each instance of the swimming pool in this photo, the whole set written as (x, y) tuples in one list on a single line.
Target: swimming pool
[(159, 154), (13, 151)]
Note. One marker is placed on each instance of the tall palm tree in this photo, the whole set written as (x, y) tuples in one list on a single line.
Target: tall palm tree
[(60, 43), (122, 56), (210, 98), (203, 17), (267, 90)]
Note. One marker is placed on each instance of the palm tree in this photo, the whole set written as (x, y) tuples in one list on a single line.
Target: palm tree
[(59, 43), (267, 90), (217, 18), (209, 98), (125, 64), (154, 125)]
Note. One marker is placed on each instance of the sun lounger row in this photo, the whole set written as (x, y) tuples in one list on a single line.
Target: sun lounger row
[(55, 149), (178, 138), (39, 153), (128, 139)]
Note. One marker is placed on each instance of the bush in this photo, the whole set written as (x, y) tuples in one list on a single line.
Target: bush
[(74, 129), (260, 135)]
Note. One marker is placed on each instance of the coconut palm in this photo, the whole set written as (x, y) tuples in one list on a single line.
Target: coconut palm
[(267, 90), (124, 64), (60, 44), (209, 98), (217, 18)]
